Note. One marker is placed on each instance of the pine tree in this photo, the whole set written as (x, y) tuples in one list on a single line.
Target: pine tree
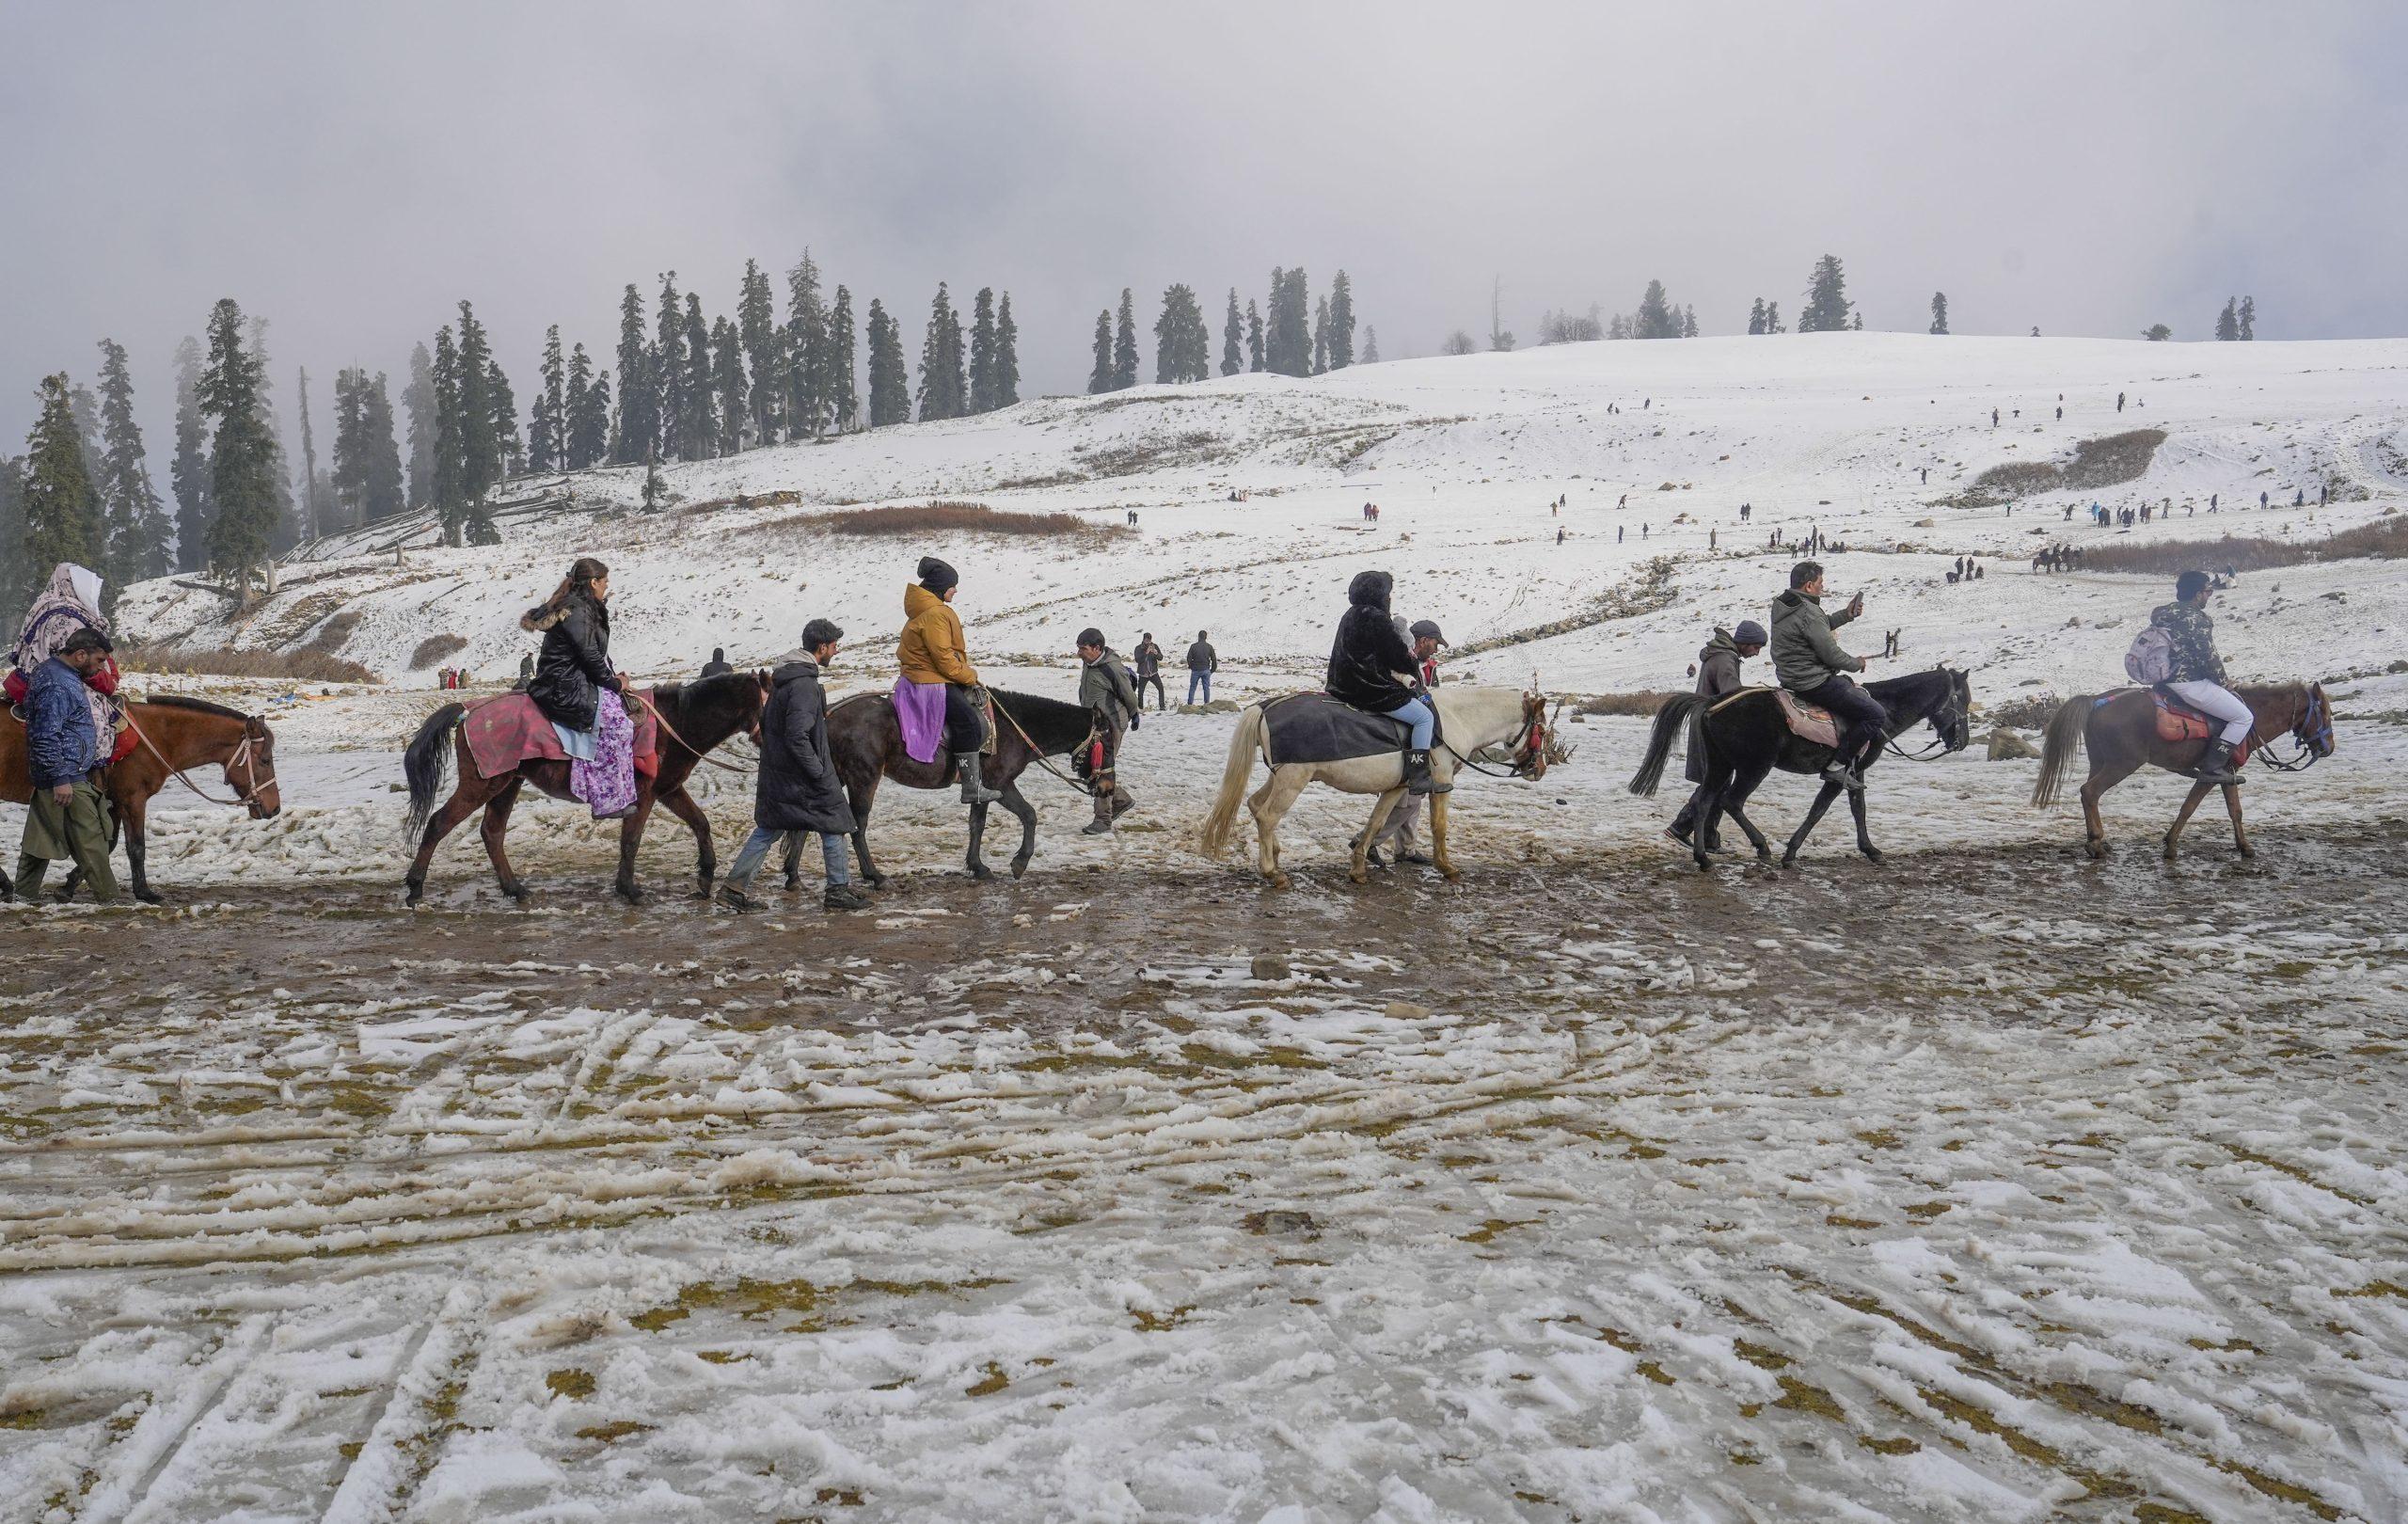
[(1940, 312), (548, 420), (1232, 338), (380, 492), (1100, 378), (667, 357), (2228, 321), (890, 384), (317, 496), (1688, 320), (1827, 303), (1656, 318), (505, 423), (1857, 323), (757, 324), (1182, 345), (982, 352), (478, 439), (734, 398), (1253, 336), (349, 474), (1372, 345), (1320, 335), (243, 473), (942, 388), (1006, 355), (806, 347), (14, 576), (2248, 318), (1756, 317), (1124, 344), (701, 426), (639, 416), (1341, 321), (417, 406), (136, 524), (188, 473), (1772, 318), (586, 432), (448, 495), (836, 362), (283, 530), (62, 513), (1288, 342)]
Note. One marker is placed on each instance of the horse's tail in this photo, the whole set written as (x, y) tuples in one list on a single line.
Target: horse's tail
[(1669, 720), (2064, 740), (422, 764), (1244, 748)]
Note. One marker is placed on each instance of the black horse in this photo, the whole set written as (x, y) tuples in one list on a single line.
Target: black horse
[(866, 741), (1746, 737)]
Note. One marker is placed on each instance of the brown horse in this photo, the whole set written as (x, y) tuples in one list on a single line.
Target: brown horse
[(2121, 731), (694, 718), (172, 734)]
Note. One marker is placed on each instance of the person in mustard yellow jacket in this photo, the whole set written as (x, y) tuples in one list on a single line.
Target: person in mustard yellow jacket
[(939, 686)]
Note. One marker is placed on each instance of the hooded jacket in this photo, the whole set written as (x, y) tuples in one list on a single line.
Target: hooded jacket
[(798, 788), (1717, 665), (573, 666), (1367, 655), (1804, 655), (932, 649), (1104, 689), (60, 745)]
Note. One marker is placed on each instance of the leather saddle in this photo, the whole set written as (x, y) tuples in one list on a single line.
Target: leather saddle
[(1807, 721)]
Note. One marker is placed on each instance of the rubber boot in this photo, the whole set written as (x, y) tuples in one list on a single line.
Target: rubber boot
[(1416, 774), (2215, 764), (974, 781)]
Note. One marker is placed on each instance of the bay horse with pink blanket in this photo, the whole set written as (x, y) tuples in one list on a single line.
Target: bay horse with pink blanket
[(689, 720)]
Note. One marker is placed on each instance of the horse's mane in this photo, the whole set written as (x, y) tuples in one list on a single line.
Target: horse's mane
[(198, 705), (678, 695), (1056, 726), (1898, 684)]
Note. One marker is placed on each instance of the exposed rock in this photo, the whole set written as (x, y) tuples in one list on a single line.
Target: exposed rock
[(2007, 746), (1271, 967), (1405, 1010), (1280, 1221)]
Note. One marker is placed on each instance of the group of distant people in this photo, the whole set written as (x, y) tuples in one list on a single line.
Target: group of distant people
[(1964, 569)]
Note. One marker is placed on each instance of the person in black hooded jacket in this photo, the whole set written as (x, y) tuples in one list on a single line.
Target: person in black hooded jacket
[(1366, 664), (575, 664), (798, 788)]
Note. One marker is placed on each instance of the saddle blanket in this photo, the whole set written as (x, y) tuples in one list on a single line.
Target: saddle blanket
[(2177, 722), (1314, 727), (503, 732), (1808, 723)]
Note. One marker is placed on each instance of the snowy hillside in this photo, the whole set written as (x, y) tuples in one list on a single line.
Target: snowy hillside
[(1655, 446)]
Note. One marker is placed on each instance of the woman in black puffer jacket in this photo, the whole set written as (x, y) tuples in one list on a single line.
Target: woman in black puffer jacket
[(580, 693), (1367, 664)]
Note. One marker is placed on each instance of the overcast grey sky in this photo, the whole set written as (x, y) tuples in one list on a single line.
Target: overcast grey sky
[(349, 171)]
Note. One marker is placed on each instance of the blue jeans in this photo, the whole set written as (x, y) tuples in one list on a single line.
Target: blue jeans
[(1419, 712), (1204, 680), (756, 847)]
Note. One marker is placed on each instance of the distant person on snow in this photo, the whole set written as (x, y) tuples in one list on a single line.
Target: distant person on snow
[(1202, 662), (1811, 663), (938, 678), (2119, 402), (1149, 670), (2198, 675), (718, 665), (1717, 675), (1368, 663)]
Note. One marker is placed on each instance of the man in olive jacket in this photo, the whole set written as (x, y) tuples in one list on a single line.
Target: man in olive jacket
[(798, 788), (1811, 663), (1106, 692)]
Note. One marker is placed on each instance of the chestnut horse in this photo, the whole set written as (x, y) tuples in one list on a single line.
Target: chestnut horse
[(2121, 731), (694, 718), (175, 733)]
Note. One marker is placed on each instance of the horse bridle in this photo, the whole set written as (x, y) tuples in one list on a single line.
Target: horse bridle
[(254, 728), (2315, 744), (1946, 715), (1529, 745)]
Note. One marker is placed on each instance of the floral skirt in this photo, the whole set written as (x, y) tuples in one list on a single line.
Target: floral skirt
[(606, 785)]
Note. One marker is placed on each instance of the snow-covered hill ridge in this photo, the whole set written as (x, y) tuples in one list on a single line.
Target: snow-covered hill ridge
[(1653, 446)]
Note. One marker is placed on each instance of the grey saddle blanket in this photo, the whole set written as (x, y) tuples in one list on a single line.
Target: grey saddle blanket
[(1314, 727)]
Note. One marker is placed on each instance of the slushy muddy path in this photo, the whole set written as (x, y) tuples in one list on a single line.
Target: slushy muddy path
[(1970, 1186)]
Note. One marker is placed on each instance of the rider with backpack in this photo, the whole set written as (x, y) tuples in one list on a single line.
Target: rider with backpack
[(2177, 653)]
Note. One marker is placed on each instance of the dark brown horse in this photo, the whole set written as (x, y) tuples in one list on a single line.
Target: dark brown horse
[(866, 741), (2121, 732), (695, 717), (173, 735)]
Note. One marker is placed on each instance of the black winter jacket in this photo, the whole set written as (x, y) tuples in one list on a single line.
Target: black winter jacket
[(798, 788), (1368, 653), (575, 664)]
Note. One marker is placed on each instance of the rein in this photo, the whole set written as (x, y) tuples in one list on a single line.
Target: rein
[(1039, 752), (1938, 747), (1527, 744), (2319, 716), (241, 755), (671, 731)]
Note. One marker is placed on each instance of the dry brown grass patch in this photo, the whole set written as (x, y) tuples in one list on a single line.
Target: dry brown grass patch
[(304, 666)]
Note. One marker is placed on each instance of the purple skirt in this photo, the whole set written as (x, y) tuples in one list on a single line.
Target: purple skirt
[(920, 709), (606, 785)]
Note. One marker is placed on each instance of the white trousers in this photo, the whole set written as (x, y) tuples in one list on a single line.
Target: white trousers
[(2217, 701)]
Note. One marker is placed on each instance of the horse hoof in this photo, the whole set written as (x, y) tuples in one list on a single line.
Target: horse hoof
[(876, 880), (1359, 875), (150, 897), (1788, 862), (1873, 854), (982, 874), (1278, 881), (632, 894), (2246, 851), (1764, 855), (1019, 867)]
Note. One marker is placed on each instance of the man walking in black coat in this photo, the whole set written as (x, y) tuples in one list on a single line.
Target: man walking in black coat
[(797, 788)]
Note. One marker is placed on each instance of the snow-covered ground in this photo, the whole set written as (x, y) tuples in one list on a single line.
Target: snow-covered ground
[(1988, 1184)]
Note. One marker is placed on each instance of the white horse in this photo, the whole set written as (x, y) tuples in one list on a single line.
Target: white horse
[(1471, 720)]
